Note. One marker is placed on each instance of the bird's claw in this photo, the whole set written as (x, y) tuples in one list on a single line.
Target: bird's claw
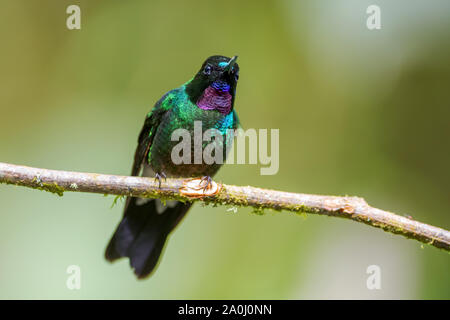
[(206, 183), (159, 177)]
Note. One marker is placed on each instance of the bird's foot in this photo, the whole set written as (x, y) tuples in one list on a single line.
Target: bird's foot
[(200, 187), (159, 177), (206, 182)]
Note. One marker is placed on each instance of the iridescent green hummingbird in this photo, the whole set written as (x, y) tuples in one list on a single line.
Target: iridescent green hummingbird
[(209, 98)]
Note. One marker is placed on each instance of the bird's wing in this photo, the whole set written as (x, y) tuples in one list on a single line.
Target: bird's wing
[(148, 131), (146, 225)]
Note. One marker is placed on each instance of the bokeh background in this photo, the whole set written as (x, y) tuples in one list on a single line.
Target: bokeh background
[(360, 112)]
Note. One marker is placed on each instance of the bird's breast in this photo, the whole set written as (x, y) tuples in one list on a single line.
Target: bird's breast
[(188, 118)]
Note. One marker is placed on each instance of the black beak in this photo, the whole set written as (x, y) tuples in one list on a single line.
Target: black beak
[(230, 64)]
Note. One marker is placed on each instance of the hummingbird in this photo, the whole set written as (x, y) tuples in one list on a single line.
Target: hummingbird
[(208, 98)]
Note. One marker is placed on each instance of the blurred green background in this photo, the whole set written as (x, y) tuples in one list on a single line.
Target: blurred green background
[(360, 112)]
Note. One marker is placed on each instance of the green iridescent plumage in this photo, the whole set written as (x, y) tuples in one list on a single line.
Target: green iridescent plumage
[(181, 113), (208, 99)]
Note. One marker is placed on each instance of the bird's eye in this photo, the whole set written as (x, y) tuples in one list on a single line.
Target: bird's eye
[(207, 70)]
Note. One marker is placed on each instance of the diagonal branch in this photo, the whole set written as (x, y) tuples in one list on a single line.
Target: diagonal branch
[(352, 208)]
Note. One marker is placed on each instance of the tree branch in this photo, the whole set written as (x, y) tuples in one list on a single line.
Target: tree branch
[(352, 208)]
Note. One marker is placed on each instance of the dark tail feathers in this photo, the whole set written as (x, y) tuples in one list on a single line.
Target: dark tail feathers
[(142, 233)]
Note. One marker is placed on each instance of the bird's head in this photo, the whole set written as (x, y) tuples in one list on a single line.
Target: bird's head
[(214, 86)]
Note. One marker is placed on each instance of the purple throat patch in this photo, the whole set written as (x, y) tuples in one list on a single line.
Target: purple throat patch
[(216, 97)]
